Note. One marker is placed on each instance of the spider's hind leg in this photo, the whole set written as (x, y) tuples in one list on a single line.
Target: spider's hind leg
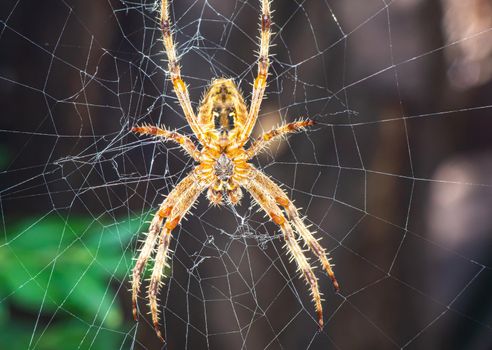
[(179, 85), (259, 84)]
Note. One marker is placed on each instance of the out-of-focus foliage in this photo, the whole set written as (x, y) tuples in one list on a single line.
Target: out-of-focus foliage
[(64, 272)]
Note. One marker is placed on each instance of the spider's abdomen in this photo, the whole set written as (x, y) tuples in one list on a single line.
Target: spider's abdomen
[(222, 111), (224, 119)]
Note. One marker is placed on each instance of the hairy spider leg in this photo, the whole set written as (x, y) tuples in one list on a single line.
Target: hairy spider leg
[(182, 140), (283, 200), (179, 210), (268, 204), (179, 85), (154, 228), (259, 84), (265, 140)]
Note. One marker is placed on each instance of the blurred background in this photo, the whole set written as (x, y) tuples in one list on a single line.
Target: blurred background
[(396, 177)]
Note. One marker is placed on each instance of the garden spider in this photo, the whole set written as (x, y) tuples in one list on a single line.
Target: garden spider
[(223, 127)]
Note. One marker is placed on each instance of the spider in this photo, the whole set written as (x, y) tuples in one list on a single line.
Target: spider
[(222, 127)]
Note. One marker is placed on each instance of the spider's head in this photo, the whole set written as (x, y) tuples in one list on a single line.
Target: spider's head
[(222, 111)]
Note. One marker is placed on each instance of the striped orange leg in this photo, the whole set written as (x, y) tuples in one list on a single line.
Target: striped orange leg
[(179, 85), (281, 199), (264, 140), (267, 203), (178, 211), (263, 64), (180, 139), (155, 227)]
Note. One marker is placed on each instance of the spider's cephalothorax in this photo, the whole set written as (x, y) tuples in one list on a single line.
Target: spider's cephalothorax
[(222, 127)]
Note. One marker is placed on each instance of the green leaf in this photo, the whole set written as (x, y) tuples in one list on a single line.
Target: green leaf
[(57, 265), (4, 314)]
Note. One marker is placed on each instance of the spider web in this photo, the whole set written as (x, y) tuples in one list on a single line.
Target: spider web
[(394, 178)]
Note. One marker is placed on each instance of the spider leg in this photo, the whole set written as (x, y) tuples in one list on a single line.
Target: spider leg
[(267, 203), (178, 211), (154, 228), (180, 87), (283, 200), (264, 140), (182, 140), (263, 64)]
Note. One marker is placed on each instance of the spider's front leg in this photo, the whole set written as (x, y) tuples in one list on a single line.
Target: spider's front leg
[(177, 212), (172, 210), (267, 203), (283, 200), (154, 228)]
